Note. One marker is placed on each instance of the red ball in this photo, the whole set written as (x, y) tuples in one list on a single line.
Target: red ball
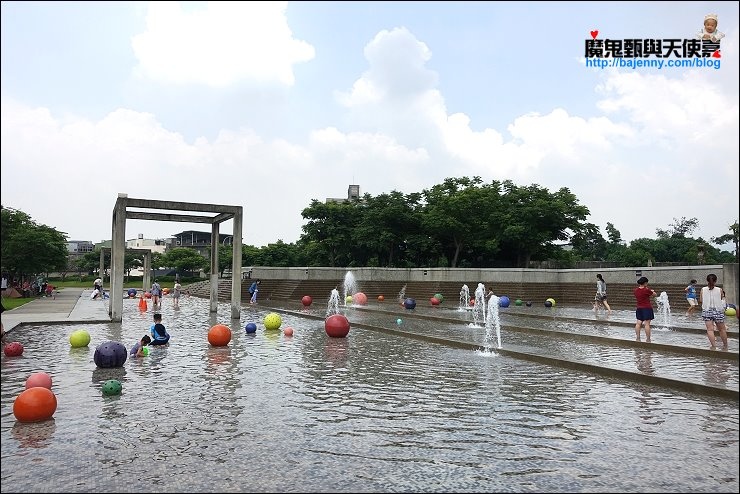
[(39, 379), (336, 326), (288, 331), (381, 298), (306, 300), (14, 349), (35, 405), (219, 335), (434, 301), (472, 302)]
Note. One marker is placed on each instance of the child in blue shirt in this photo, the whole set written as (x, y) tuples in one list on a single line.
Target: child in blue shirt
[(159, 333)]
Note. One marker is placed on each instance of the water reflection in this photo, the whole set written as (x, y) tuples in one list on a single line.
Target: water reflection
[(644, 361), (36, 435)]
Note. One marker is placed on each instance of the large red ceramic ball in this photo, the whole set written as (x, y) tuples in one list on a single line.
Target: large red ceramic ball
[(359, 298), (14, 349), (381, 298), (306, 300), (219, 335), (35, 405), (337, 326), (39, 380), (434, 301)]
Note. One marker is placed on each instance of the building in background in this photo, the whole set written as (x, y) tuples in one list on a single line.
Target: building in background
[(353, 194)]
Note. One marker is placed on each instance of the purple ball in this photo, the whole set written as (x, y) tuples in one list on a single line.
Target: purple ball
[(110, 354)]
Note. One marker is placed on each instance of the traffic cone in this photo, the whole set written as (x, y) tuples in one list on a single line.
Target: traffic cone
[(142, 304)]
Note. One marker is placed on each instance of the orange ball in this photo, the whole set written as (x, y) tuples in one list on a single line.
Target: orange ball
[(39, 380), (219, 335), (288, 331), (381, 298), (35, 405)]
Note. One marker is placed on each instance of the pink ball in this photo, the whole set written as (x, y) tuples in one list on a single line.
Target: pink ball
[(14, 349), (288, 331), (359, 298), (434, 301), (306, 300), (39, 380)]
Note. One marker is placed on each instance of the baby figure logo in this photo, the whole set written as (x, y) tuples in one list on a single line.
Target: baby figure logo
[(709, 33)]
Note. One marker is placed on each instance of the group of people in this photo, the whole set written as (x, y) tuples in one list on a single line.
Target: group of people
[(711, 298), (157, 336)]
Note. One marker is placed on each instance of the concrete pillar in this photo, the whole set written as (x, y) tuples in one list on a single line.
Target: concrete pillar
[(146, 279), (236, 267), (118, 249), (214, 267)]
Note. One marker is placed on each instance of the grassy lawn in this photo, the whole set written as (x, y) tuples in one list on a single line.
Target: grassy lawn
[(12, 303)]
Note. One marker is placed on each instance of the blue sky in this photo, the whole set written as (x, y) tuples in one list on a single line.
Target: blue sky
[(271, 105)]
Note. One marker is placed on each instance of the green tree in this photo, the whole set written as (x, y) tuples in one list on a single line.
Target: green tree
[(613, 234), (182, 259), (28, 247), (680, 228), (329, 227), (729, 237)]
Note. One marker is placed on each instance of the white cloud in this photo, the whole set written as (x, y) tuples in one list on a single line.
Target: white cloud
[(219, 45)]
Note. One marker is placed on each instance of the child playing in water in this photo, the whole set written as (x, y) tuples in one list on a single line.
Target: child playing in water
[(138, 349), (160, 336)]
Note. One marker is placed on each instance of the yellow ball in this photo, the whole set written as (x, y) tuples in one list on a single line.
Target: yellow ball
[(348, 299), (79, 338), (273, 321), (730, 311)]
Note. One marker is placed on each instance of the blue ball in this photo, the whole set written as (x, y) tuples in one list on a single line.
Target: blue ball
[(548, 303), (131, 292), (110, 354), (251, 327), (504, 301), (409, 303)]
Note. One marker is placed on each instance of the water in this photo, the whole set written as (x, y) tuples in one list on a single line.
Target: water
[(373, 412), (402, 295), (664, 310), (464, 298), (479, 307), (349, 286), (493, 322), (333, 305)]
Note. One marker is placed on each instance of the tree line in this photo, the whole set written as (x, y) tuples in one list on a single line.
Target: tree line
[(462, 222)]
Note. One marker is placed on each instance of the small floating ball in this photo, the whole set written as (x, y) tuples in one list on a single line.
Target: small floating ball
[(288, 331), (518, 301), (504, 301), (250, 328), (381, 298), (434, 301), (39, 380), (399, 321), (34, 405), (348, 299), (552, 301), (359, 298), (131, 292), (730, 311), (273, 321), (336, 326), (529, 304), (219, 335), (409, 303), (306, 300), (79, 338), (112, 387), (439, 297), (14, 349), (548, 303)]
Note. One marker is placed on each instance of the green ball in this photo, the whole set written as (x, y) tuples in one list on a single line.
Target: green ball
[(112, 387), (145, 351), (348, 299), (439, 297), (79, 338), (273, 321), (518, 302)]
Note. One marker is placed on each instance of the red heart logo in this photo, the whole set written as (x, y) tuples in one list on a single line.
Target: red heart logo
[(717, 54), (594, 34)]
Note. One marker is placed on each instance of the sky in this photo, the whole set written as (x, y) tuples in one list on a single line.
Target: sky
[(272, 105)]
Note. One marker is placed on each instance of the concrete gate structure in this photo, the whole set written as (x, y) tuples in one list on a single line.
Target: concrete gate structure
[(222, 213)]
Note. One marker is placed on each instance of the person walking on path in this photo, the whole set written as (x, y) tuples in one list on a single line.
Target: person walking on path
[(156, 292), (691, 297), (644, 311), (713, 311), (600, 298), (253, 289)]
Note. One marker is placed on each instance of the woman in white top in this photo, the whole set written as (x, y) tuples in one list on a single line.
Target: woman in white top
[(712, 301)]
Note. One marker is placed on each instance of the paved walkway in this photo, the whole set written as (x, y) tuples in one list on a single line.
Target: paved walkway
[(69, 305)]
